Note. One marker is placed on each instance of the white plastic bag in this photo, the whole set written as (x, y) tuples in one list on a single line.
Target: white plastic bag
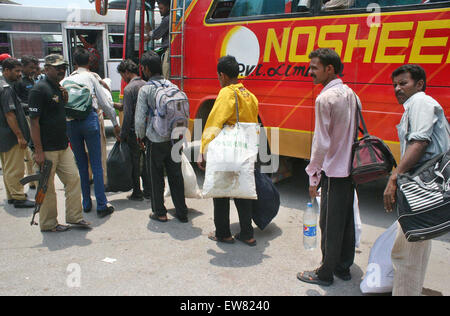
[(358, 224), (356, 216), (191, 189), (230, 163), (379, 277)]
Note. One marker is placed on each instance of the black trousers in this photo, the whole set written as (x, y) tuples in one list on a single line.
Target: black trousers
[(139, 167), (222, 217), (337, 226), (160, 159)]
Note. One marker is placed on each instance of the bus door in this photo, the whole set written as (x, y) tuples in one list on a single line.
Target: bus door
[(92, 38)]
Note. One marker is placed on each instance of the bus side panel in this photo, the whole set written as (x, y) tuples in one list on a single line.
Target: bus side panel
[(277, 70)]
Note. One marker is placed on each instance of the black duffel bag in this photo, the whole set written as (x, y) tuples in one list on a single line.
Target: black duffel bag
[(371, 157), (119, 168), (423, 199), (266, 207)]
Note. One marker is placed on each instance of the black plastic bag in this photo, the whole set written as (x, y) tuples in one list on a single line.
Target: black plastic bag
[(266, 207), (119, 168)]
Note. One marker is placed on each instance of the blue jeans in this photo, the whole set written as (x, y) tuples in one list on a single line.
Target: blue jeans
[(87, 132)]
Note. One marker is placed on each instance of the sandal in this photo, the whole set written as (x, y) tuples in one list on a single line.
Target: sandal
[(158, 218), (247, 242), (82, 224), (312, 278), (58, 229), (220, 239)]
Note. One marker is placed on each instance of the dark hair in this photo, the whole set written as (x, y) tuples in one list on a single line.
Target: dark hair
[(229, 66), (164, 2), (27, 59), (11, 63), (81, 56), (152, 60), (416, 71), (129, 65), (328, 56)]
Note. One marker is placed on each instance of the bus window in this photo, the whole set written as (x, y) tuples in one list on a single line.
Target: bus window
[(18, 39), (222, 9), (248, 8), (5, 44), (329, 5), (30, 27), (293, 6), (337, 4), (115, 46), (115, 41), (257, 7), (38, 45), (302, 6)]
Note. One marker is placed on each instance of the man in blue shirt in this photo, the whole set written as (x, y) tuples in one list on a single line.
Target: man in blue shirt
[(423, 133)]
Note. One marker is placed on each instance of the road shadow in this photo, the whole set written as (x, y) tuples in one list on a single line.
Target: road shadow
[(340, 287), (59, 241), (122, 204), (176, 229), (17, 212), (240, 255)]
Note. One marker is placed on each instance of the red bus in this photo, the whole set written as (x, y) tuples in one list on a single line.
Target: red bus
[(271, 39)]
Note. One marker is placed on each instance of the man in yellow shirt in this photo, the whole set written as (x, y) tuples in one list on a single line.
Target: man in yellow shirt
[(224, 113)]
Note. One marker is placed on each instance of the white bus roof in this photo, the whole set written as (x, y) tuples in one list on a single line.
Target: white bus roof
[(70, 14)]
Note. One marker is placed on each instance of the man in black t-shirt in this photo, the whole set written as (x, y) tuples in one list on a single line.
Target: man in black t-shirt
[(48, 132), (14, 135)]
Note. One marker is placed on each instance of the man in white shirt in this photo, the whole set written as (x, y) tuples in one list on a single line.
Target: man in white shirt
[(86, 133)]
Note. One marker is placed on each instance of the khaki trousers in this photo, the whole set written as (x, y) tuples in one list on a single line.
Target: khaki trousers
[(64, 166), (13, 171), (410, 260)]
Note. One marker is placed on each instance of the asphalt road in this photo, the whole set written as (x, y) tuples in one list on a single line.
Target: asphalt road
[(173, 258)]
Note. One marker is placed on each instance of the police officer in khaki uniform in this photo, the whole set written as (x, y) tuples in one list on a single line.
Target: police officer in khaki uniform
[(48, 130), (14, 135)]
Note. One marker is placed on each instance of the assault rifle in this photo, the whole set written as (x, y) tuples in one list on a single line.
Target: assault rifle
[(42, 178)]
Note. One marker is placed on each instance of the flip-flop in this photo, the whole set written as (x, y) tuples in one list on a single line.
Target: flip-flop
[(248, 243), (156, 218), (58, 229), (82, 224), (223, 240), (312, 278)]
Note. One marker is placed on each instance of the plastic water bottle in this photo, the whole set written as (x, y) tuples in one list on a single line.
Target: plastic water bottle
[(310, 228)]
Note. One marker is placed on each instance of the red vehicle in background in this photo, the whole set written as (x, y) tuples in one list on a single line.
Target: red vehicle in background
[(271, 39)]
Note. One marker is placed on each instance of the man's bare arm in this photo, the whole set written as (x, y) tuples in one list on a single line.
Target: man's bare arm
[(413, 154), (36, 137)]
